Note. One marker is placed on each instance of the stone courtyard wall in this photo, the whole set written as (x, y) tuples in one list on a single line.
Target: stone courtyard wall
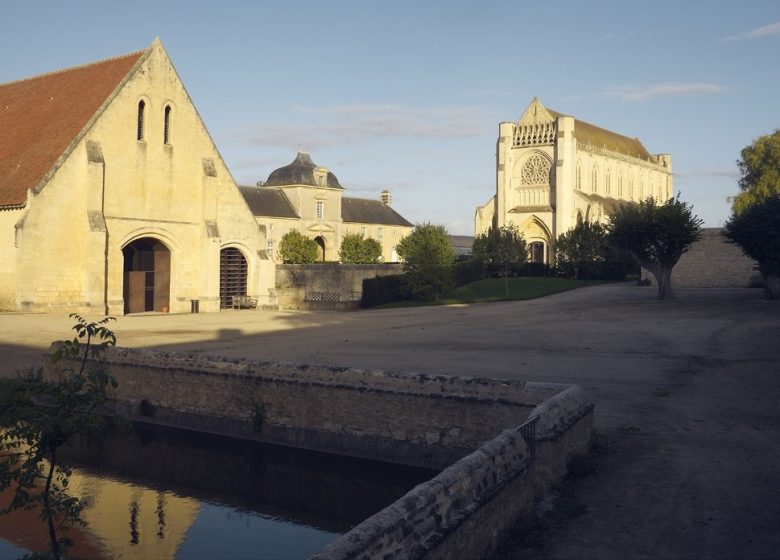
[(711, 262), (300, 286)]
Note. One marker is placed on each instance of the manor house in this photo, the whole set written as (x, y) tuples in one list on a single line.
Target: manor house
[(553, 170), (307, 197), (114, 198)]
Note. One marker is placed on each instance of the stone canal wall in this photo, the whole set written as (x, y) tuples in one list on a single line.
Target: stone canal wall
[(465, 511), (416, 419), (467, 426)]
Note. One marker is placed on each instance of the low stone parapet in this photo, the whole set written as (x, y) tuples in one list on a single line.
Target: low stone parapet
[(468, 426)]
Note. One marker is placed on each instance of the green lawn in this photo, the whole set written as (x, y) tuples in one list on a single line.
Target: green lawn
[(493, 289)]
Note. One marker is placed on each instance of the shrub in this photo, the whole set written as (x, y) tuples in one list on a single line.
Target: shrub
[(295, 248), (428, 257), (503, 250), (468, 271), (384, 289), (356, 249), (536, 269)]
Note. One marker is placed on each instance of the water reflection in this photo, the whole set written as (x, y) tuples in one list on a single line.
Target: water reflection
[(162, 493)]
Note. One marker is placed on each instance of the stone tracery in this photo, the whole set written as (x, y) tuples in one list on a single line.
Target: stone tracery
[(535, 171)]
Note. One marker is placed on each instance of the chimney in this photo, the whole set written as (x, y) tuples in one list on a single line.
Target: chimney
[(386, 198)]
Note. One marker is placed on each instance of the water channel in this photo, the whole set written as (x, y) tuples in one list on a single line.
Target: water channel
[(162, 493)]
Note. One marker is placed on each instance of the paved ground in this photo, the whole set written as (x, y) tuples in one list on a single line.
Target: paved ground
[(688, 395)]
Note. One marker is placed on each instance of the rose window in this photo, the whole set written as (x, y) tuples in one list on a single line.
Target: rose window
[(536, 171)]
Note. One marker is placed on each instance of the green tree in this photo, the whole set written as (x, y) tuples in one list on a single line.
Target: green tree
[(759, 167), (502, 250), (427, 256), (756, 230), (582, 251), (38, 417), (296, 248), (656, 236), (356, 249)]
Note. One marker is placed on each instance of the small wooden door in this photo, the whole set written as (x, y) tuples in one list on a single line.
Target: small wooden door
[(136, 291)]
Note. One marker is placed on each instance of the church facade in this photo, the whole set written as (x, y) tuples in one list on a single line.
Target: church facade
[(553, 170), (114, 198)]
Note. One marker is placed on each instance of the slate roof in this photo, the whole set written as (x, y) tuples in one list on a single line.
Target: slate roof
[(602, 138), (367, 211), (264, 201), (299, 172), (461, 244), (41, 116)]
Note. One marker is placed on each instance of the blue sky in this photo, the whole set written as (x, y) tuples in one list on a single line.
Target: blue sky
[(407, 95)]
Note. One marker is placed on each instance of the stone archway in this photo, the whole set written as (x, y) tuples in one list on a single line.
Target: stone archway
[(538, 239), (147, 276), (232, 276), (320, 241)]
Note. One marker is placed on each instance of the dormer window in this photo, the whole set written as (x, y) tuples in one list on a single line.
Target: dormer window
[(321, 176), (167, 125), (140, 130)]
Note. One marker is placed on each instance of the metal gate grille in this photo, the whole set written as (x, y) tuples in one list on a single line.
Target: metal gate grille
[(528, 433), (232, 276)]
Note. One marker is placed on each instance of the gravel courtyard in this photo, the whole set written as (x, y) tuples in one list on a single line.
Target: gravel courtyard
[(687, 395)]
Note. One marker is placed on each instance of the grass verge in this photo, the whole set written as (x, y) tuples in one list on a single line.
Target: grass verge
[(495, 289)]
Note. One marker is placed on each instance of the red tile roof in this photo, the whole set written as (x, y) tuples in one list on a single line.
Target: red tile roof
[(41, 116)]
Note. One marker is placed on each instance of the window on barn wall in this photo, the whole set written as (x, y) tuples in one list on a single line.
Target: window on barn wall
[(167, 125), (140, 128)]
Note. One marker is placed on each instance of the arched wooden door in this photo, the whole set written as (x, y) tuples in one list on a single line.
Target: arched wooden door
[(147, 276)]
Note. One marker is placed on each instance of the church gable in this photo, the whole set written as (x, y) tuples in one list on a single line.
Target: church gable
[(536, 114), (43, 117), (537, 126)]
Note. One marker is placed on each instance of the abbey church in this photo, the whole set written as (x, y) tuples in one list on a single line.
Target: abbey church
[(114, 198), (553, 170)]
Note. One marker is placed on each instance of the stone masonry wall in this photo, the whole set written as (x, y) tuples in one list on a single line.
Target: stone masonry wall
[(468, 425), (293, 281), (418, 419), (422, 520), (711, 262), (466, 510)]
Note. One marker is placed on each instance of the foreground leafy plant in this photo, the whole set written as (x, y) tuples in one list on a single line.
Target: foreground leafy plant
[(38, 417)]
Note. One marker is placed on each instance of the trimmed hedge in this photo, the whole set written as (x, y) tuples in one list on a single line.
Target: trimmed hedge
[(384, 289), (468, 271)]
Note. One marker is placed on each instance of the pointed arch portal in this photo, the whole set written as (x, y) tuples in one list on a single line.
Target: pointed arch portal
[(147, 276)]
